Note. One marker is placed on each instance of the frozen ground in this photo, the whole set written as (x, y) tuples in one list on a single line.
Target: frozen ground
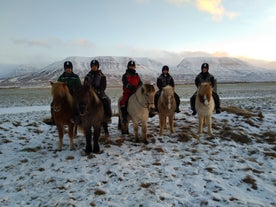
[(236, 167)]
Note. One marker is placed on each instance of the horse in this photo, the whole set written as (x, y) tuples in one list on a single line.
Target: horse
[(64, 109), (91, 115), (166, 108), (138, 108), (205, 106)]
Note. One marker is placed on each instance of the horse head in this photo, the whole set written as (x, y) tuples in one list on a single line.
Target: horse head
[(60, 93), (205, 92), (86, 95), (148, 91), (167, 96)]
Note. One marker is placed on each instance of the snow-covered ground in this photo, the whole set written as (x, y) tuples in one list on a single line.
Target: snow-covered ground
[(236, 167)]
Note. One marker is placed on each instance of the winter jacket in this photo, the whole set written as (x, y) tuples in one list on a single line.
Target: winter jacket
[(204, 77), (97, 80), (164, 80), (131, 80), (72, 80)]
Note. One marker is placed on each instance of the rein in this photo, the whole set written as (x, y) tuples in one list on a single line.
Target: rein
[(147, 104)]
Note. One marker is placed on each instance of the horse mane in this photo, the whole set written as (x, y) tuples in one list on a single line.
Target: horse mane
[(204, 89), (167, 91), (60, 89), (148, 87), (94, 97)]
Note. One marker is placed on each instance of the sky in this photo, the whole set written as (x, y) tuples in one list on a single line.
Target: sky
[(41, 32)]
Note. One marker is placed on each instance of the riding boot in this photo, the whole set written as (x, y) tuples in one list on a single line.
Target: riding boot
[(124, 114), (107, 108), (52, 114), (217, 102), (177, 100), (76, 119), (192, 103), (156, 96), (152, 112)]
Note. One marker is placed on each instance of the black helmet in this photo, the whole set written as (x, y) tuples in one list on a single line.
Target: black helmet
[(205, 65), (68, 64), (165, 67), (131, 63), (94, 62)]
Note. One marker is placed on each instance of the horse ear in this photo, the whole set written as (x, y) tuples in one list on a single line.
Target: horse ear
[(143, 90), (51, 82)]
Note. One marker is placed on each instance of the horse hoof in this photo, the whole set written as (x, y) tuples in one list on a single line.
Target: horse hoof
[(146, 142)]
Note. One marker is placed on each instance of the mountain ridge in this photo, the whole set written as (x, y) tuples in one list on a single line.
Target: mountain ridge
[(225, 69)]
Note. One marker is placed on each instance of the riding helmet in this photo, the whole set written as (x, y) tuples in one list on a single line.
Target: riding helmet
[(205, 65), (68, 64), (131, 63), (95, 62), (165, 67)]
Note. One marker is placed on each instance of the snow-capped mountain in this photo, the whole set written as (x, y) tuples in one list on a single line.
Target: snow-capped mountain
[(223, 68)]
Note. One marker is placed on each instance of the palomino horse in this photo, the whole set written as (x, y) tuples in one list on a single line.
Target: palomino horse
[(138, 108), (64, 110), (166, 108), (205, 106), (92, 115)]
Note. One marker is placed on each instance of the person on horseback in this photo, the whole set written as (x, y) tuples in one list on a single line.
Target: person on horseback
[(73, 83), (96, 79), (163, 80), (131, 81), (205, 76)]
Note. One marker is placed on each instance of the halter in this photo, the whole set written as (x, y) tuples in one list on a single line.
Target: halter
[(147, 103)]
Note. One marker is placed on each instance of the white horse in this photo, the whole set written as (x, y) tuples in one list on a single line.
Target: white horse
[(205, 106), (166, 108), (138, 108)]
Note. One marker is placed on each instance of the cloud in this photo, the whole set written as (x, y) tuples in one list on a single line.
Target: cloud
[(215, 8), (53, 42)]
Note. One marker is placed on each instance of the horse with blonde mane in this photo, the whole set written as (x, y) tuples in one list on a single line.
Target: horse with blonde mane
[(166, 108), (205, 106), (139, 105), (64, 109)]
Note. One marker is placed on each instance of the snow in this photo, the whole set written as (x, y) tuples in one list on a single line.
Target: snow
[(236, 167)]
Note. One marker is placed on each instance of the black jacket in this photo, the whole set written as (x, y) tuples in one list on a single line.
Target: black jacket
[(163, 81), (97, 80)]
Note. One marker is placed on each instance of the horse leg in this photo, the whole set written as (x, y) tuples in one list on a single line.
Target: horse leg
[(209, 123), (88, 134), (161, 124), (96, 135), (60, 135), (135, 129), (71, 132), (171, 122), (144, 132), (200, 124), (119, 123)]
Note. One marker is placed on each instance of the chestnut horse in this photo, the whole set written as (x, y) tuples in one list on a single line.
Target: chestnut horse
[(205, 106), (91, 115), (166, 107), (64, 109), (138, 108)]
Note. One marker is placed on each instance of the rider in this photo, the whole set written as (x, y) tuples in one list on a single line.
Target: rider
[(163, 80), (131, 81), (97, 80), (72, 80), (205, 76)]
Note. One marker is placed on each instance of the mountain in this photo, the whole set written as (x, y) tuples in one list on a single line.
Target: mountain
[(225, 69)]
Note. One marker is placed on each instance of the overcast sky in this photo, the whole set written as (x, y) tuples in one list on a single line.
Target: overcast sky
[(44, 31)]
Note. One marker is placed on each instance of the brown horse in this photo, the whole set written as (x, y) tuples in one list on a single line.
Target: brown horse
[(92, 115), (166, 108), (64, 109), (205, 106)]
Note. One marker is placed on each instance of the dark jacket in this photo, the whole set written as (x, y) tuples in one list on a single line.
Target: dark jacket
[(131, 80), (204, 77), (97, 80), (72, 80), (163, 81)]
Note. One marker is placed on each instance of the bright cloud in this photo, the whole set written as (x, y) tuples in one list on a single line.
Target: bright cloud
[(215, 8)]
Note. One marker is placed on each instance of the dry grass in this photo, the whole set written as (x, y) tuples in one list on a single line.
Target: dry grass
[(240, 112)]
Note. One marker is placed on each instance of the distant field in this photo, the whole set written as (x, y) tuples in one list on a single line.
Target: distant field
[(255, 94)]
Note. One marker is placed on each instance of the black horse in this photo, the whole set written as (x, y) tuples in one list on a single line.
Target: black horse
[(91, 115)]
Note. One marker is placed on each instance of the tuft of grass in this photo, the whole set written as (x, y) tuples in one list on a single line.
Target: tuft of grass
[(239, 111), (251, 181)]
